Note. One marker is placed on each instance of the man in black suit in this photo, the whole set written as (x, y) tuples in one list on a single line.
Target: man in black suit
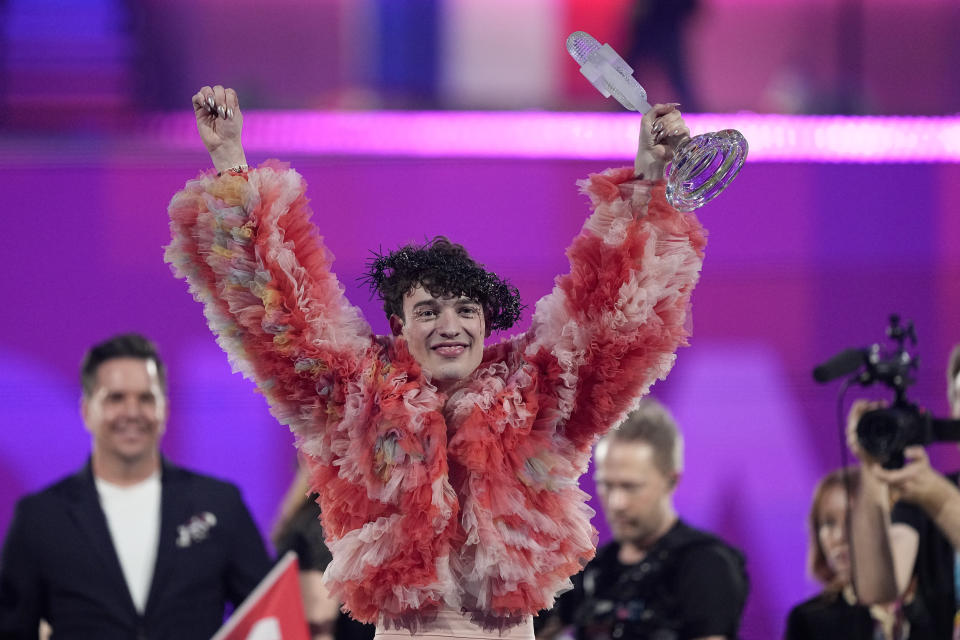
[(130, 546)]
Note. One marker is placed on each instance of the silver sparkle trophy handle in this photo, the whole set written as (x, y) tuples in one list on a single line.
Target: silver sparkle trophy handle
[(612, 76), (703, 166)]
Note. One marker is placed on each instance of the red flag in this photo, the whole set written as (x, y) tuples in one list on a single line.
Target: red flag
[(272, 611)]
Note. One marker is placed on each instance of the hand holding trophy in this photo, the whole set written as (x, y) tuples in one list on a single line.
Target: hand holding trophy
[(703, 166)]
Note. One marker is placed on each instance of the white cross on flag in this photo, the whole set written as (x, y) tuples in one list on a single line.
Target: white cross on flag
[(272, 611)]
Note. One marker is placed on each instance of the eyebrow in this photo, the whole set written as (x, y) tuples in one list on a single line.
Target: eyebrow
[(435, 302)]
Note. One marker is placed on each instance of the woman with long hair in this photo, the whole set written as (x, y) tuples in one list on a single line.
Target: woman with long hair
[(834, 612)]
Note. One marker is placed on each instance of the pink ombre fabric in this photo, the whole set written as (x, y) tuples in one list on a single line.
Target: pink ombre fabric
[(451, 624), (469, 502)]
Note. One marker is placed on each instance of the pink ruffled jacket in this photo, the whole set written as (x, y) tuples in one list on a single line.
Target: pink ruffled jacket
[(470, 501)]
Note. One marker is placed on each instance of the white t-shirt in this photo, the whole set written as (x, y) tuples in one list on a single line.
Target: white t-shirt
[(133, 516)]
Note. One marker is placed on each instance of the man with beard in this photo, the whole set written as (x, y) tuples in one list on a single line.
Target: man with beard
[(130, 546), (660, 578)]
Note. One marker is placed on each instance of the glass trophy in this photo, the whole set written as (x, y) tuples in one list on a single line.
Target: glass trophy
[(702, 166)]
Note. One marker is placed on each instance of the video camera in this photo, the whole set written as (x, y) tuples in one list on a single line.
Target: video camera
[(885, 433)]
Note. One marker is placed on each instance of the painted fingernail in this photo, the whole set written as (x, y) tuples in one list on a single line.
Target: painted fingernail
[(229, 112), (222, 111), (210, 102), (657, 126), (673, 104)]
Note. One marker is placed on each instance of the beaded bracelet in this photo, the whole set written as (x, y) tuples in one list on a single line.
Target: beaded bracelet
[(240, 168)]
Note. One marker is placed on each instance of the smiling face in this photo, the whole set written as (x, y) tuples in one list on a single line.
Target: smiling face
[(125, 412), (831, 532), (445, 335)]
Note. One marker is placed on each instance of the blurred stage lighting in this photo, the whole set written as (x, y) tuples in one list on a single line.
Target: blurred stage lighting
[(564, 135)]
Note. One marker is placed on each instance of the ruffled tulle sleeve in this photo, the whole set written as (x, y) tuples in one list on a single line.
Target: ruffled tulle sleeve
[(610, 327), (247, 248)]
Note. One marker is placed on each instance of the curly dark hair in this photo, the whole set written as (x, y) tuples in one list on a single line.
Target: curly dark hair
[(444, 269)]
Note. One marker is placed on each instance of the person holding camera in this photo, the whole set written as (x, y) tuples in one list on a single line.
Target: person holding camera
[(918, 538), (834, 613)]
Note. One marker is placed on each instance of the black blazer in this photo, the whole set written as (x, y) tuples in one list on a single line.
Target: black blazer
[(59, 563)]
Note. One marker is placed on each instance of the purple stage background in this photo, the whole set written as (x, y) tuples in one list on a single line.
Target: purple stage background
[(804, 260), (809, 251)]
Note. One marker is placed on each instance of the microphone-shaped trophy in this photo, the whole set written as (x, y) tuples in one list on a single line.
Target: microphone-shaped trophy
[(703, 166)]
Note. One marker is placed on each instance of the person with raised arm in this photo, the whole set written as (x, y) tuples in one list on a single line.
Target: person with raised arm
[(917, 540), (446, 467)]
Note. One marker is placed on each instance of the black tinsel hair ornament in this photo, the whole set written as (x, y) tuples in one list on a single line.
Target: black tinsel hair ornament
[(442, 268)]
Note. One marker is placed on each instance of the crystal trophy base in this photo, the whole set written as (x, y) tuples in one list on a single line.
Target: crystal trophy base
[(703, 167)]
